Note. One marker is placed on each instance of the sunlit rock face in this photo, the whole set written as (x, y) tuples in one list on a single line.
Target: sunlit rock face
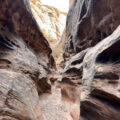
[(62, 5), (50, 20)]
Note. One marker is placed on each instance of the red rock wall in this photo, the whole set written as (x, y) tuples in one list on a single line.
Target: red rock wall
[(25, 62)]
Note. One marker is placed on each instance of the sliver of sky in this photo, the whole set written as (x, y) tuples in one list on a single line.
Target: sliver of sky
[(62, 5)]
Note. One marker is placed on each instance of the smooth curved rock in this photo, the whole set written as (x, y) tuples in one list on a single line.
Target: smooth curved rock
[(25, 62)]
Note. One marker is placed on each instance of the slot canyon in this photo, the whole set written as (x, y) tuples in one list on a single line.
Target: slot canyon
[(59, 61)]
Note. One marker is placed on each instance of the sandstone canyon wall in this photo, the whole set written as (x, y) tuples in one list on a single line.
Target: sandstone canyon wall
[(85, 87), (51, 21), (25, 62), (92, 51)]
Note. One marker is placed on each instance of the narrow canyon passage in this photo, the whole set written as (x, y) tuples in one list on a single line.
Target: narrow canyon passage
[(59, 60)]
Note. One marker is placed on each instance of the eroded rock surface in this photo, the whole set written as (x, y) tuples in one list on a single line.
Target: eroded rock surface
[(88, 88), (89, 23), (51, 21), (25, 62)]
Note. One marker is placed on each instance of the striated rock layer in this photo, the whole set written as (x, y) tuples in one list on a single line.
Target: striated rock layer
[(25, 62), (91, 77), (51, 21), (88, 88)]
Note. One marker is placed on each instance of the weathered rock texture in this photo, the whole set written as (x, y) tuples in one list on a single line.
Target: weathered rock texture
[(51, 21), (89, 87), (91, 77), (25, 62)]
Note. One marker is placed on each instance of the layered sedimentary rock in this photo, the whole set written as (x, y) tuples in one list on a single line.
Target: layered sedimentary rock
[(25, 62), (91, 76), (89, 87), (90, 15), (51, 21)]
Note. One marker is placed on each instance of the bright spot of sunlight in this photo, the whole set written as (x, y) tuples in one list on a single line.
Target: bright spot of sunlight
[(62, 5)]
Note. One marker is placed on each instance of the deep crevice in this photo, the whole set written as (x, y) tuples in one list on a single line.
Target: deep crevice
[(111, 55), (106, 98), (5, 44)]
